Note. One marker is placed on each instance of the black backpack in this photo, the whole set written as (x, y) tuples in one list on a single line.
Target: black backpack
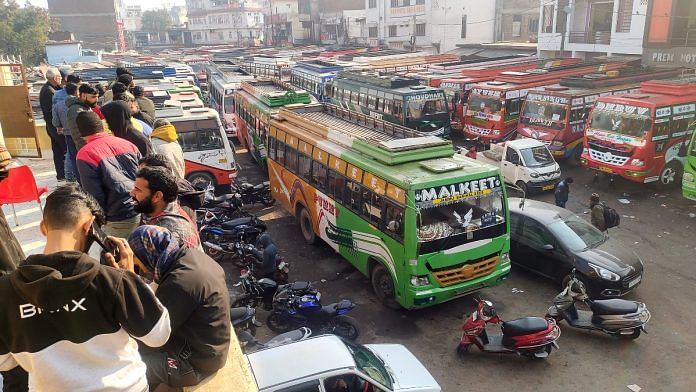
[(611, 217)]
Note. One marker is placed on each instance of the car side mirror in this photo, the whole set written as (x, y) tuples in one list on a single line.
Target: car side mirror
[(548, 247)]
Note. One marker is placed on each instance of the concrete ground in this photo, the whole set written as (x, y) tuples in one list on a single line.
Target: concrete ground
[(655, 224)]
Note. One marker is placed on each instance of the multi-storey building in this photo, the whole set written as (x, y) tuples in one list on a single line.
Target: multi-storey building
[(670, 34), (98, 24), (342, 22), (589, 28), (225, 21), (293, 22), (132, 15)]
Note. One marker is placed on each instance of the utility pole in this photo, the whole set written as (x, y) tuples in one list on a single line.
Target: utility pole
[(413, 37)]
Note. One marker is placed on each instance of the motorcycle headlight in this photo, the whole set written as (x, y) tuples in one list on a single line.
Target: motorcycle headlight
[(534, 175), (420, 280), (605, 273), (637, 162)]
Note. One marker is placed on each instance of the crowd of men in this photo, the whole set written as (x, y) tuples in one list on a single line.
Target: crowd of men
[(77, 317)]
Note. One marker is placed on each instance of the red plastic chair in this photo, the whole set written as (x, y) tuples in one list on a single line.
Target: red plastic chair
[(20, 187)]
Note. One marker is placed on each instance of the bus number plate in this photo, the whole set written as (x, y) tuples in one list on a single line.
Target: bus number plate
[(605, 169)]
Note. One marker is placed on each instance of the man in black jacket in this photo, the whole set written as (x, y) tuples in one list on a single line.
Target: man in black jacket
[(71, 322), (192, 287), (53, 79)]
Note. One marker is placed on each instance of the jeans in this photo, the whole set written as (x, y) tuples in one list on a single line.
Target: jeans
[(58, 147), (71, 173)]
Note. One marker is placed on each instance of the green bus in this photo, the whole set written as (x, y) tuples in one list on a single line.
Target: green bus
[(255, 102), (423, 223), (689, 177), (392, 98)]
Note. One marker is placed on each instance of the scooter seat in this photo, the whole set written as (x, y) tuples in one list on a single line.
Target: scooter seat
[(524, 326), (231, 224), (613, 306), (238, 314)]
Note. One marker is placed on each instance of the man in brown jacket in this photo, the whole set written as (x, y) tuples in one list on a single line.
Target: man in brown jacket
[(10, 255), (597, 216)]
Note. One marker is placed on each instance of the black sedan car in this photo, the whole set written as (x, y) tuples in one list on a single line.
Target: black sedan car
[(551, 241)]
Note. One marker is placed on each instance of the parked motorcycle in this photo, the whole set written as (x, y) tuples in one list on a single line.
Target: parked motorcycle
[(243, 319), (256, 292), (532, 337), (292, 311), (252, 194), (616, 317), (247, 341)]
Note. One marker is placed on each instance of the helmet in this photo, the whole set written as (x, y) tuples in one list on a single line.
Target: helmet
[(576, 288), (488, 311)]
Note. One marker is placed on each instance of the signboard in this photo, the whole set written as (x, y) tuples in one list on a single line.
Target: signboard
[(447, 194), (410, 10), (670, 57)]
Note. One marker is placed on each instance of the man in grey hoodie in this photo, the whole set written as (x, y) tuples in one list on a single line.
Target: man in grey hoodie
[(87, 99), (60, 121)]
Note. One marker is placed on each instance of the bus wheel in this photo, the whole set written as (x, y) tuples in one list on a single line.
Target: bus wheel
[(306, 226), (383, 285), (574, 158), (201, 179), (670, 175)]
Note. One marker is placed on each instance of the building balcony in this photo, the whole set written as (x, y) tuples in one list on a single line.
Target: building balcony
[(590, 37)]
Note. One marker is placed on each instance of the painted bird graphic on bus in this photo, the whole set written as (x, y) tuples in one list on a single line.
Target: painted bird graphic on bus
[(467, 217)]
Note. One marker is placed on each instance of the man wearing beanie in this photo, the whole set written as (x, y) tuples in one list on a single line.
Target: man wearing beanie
[(107, 166), (146, 105)]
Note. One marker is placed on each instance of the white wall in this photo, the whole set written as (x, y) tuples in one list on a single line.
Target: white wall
[(480, 17)]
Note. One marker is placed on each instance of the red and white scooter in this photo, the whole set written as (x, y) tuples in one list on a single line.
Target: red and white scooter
[(532, 337)]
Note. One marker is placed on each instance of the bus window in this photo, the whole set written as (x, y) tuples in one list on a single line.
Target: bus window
[(337, 185), (229, 104), (305, 167), (319, 175), (680, 126), (387, 108), (371, 99), (291, 159), (372, 206), (188, 141), (280, 153), (394, 220), (209, 139), (398, 107), (512, 108), (661, 130), (272, 148), (353, 195), (578, 114)]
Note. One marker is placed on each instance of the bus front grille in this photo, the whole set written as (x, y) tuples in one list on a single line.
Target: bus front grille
[(464, 272)]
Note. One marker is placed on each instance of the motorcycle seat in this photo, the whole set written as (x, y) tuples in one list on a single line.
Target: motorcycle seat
[(222, 198), (238, 314), (231, 224), (524, 326), (260, 186), (613, 306), (299, 286)]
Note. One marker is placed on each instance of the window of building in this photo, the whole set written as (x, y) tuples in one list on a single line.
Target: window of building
[(306, 25), (623, 20), (562, 17), (533, 27), (392, 31), (420, 30), (372, 4), (516, 25), (304, 6), (394, 3), (420, 1), (463, 34), (372, 31), (548, 18)]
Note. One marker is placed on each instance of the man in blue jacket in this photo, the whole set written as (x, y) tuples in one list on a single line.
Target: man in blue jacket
[(562, 191)]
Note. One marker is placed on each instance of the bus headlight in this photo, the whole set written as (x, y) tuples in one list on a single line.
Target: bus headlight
[(687, 177), (420, 280), (505, 258), (637, 162), (557, 143), (495, 132)]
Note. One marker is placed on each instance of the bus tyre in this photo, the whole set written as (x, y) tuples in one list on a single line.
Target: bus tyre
[(574, 158), (670, 175), (383, 286), (201, 179), (306, 226)]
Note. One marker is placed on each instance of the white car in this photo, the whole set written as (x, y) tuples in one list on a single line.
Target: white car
[(321, 363)]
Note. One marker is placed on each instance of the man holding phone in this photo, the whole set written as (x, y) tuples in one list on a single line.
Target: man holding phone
[(71, 322)]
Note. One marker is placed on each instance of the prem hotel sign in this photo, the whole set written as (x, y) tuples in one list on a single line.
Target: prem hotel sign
[(674, 57)]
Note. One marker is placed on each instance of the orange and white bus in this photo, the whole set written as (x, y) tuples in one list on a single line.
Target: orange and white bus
[(643, 136), (493, 107)]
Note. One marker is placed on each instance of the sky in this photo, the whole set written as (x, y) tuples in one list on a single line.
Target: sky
[(150, 4)]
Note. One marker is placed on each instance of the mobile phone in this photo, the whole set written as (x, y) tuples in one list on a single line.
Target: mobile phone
[(101, 238)]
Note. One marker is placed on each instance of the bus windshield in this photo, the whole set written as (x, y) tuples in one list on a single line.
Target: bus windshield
[(229, 104), (486, 104), (442, 219), (545, 114), (622, 123), (536, 156), (427, 104)]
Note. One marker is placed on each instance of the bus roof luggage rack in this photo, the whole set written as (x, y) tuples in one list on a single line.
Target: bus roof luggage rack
[(389, 81), (678, 86), (274, 92), (617, 77), (383, 141), (169, 112)]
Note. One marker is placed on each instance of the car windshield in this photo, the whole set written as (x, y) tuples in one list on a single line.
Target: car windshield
[(418, 107), (576, 233), (485, 104), (544, 114), (625, 124), (370, 364), (451, 210), (536, 156)]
